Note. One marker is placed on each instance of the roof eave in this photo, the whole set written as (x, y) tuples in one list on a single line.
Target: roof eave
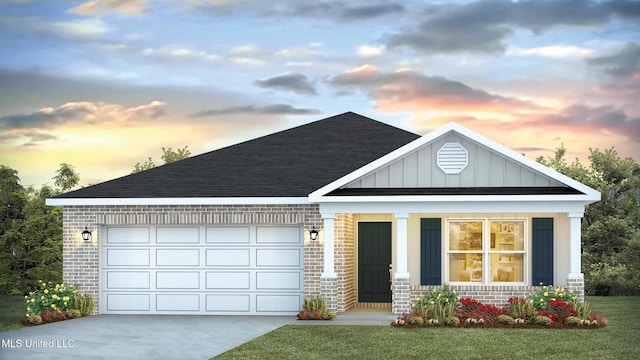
[(178, 201)]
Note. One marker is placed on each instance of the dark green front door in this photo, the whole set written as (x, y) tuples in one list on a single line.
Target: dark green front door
[(374, 257)]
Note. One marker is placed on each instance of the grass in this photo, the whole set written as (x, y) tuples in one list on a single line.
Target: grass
[(12, 311), (617, 341)]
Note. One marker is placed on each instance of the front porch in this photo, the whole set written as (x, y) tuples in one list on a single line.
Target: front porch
[(341, 279)]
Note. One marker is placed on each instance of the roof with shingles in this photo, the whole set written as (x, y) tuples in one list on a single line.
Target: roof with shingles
[(289, 163)]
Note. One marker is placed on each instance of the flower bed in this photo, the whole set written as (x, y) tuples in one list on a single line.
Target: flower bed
[(52, 303), (545, 308)]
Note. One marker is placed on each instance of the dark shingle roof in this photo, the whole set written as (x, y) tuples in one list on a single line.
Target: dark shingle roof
[(290, 163)]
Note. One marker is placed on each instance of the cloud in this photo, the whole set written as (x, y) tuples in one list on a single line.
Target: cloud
[(624, 63), (86, 28), (275, 109), (599, 119), (413, 91), (371, 11), (371, 51), (294, 82), (555, 51), (484, 26), (102, 7), (80, 112)]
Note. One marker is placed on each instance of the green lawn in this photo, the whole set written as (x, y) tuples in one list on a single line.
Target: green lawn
[(620, 340), (12, 310)]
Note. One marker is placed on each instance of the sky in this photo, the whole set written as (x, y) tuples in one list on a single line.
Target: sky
[(105, 84)]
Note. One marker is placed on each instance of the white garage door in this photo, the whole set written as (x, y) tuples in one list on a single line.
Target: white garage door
[(235, 269)]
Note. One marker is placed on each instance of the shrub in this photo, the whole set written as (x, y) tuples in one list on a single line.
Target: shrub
[(329, 315), (34, 319), (315, 309), (573, 321), (583, 310), (520, 308), (416, 320), (84, 303), (452, 321), (49, 316), (50, 297), (74, 314), (558, 311), (318, 303), (505, 320), (439, 303), (542, 320), (470, 309), (545, 294)]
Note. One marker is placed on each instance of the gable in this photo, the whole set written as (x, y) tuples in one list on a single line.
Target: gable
[(473, 165), (437, 164)]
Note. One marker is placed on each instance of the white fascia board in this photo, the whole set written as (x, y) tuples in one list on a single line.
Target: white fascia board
[(318, 195), (576, 207), (178, 201), (584, 199)]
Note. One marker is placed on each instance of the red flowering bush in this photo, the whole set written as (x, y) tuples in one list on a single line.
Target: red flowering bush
[(49, 316), (472, 311), (558, 311)]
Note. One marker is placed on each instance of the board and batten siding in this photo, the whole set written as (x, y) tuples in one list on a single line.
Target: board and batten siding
[(485, 169)]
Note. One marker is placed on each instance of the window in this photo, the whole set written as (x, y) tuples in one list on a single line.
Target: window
[(486, 251)]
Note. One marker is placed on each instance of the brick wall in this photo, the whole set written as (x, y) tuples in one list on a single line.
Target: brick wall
[(345, 261), (81, 259)]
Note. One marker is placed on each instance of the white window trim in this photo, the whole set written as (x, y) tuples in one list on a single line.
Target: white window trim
[(486, 244)]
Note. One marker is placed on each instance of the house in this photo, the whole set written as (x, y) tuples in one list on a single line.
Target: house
[(229, 231)]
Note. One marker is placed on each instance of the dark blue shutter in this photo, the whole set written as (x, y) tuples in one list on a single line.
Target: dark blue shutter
[(542, 251), (430, 251)]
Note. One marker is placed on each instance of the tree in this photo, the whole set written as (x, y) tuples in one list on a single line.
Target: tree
[(144, 166), (611, 227), (66, 177), (31, 237), (168, 156)]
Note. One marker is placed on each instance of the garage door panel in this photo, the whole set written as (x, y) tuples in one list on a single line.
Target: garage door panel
[(228, 303), (229, 235), (128, 235), (178, 302), (128, 280), (128, 257), (278, 235), (278, 280), (182, 235), (277, 303), (177, 257), (278, 257), (228, 257), (177, 280), (128, 302), (228, 280)]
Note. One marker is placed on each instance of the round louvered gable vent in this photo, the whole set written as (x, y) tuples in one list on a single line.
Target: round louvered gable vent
[(452, 158)]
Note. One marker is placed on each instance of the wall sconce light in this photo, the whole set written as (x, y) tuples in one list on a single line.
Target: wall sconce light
[(86, 234), (313, 234)]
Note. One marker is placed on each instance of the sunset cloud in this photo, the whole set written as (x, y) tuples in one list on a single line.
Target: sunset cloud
[(294, 82), (101, 7)]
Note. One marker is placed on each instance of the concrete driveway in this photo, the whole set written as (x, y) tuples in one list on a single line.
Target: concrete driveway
[(137, 337)]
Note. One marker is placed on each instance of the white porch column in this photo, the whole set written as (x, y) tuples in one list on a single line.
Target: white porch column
[(329, 263), (401, 288), (328, 278), (401, 246), (575, 219)]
